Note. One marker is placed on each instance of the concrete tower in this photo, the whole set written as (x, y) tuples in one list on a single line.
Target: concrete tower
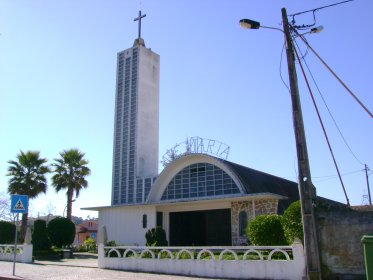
[(136, 127)]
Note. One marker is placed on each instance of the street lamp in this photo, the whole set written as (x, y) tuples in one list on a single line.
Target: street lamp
[(249, 24), (252, 24), (307, 191)]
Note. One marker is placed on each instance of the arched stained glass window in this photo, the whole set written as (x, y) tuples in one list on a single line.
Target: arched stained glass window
[(200, 180)]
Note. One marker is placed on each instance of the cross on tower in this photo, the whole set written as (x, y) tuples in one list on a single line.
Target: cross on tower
[(139, 19)]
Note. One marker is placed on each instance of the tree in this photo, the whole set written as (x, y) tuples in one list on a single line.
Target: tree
[(27, 177), (7, 232), (5, 213), (61, 232), (292, 222), (69, 173), (40, 238)]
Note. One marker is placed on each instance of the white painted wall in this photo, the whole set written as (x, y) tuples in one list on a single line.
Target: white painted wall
[(236, 269), (124, 223), (6, 253), (148, 113)]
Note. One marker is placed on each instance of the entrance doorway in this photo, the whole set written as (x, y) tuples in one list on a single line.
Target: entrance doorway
[(201, 228)]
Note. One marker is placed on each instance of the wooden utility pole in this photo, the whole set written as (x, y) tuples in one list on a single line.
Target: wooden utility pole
[(367, 177), (307, 191)]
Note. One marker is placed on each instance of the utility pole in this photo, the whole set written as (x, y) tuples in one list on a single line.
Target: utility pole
[(367, 177), (307, 191)]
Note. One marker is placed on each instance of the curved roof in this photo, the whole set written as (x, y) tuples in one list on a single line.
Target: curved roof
[(256, 181), (249, 181)]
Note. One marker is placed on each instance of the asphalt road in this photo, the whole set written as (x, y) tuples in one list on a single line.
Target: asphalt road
[(81, 267)]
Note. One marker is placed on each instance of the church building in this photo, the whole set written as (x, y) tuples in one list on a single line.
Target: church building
[(199, 198)]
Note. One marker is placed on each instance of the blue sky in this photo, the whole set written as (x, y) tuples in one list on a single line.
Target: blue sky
[(218, 81)]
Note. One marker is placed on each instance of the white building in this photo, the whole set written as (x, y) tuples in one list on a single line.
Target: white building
[(198, 199)]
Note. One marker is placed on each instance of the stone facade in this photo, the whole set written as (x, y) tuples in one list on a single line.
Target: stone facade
[(340, 230), (265, 207), (252, 208)]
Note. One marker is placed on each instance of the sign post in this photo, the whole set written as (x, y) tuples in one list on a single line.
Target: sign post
[(19, 204)]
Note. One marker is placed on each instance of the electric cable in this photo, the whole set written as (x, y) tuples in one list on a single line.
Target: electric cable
[(321, 122), (330, 113), (334, 74), (330, 176), (306, 26), (344, 174), (282, 78)]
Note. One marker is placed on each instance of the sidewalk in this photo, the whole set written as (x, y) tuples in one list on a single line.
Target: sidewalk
[(81, 267)]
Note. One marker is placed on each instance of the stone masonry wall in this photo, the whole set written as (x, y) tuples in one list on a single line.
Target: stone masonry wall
[(253, 209), (340, 230)]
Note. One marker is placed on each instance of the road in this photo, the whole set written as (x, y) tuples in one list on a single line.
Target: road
[(82, 267)]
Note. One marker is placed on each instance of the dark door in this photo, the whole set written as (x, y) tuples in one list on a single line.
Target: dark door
[(201, 228)]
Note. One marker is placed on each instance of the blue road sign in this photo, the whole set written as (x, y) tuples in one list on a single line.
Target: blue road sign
[(19, 203)]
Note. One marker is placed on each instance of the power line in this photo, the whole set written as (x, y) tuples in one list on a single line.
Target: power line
[(331, 176), (320, 8), (282, 78), (305, 26), (344, 174), (330, 113), (335, 75), (322, 124)]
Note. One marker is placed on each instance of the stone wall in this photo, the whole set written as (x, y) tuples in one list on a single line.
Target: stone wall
[(340, 231), (265, 207), (252, 208)]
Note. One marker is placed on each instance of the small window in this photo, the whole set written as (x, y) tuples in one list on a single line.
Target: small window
[(160, 219), (242, 222), (144, 221)]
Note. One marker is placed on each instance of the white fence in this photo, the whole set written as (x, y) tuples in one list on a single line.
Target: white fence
[(269, 262), (24, 253)]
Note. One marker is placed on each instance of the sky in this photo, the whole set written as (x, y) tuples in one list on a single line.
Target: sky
[(217, 81)]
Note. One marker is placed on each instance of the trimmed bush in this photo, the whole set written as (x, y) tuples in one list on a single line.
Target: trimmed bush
[(111, 243), (156, 237), (40, 238), (90, 245), (266, 230), (61, 232), (292, 222), (7, 232)]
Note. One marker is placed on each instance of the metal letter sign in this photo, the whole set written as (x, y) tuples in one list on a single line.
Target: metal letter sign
[(19, 204)]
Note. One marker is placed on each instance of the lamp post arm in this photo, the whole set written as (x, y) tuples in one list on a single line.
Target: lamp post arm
[(274, 28)]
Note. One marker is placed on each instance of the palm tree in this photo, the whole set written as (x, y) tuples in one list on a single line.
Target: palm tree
[(70, 172), (27, 177)]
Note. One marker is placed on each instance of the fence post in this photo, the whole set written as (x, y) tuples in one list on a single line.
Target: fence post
[(299, 257), (101, 255), (26, 256)]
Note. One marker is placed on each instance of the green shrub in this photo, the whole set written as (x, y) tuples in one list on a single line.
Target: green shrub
[(156, 237), (111, 243), (266, 230), (292, 222), (80, 248), (61, 232), (90, 244), (40, 238), (7, 232)]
